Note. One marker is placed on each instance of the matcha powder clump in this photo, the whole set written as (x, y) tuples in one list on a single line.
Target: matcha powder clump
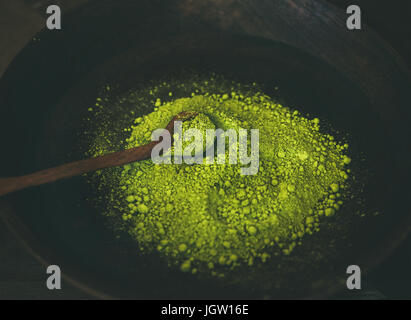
[(208, 217)]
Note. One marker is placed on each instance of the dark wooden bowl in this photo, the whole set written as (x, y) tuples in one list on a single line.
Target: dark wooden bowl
[(352, 79)]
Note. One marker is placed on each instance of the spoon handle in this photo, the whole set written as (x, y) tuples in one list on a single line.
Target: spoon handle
[(9, 185)]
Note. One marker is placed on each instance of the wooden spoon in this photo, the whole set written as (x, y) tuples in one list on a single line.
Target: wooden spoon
[(9, 185)]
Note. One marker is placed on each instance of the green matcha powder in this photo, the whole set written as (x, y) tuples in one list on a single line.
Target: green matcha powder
[(208, 218)]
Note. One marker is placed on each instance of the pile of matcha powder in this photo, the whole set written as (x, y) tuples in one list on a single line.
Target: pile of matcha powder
[(208, 218)]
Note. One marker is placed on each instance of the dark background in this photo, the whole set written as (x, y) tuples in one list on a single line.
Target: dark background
[(22, 277)]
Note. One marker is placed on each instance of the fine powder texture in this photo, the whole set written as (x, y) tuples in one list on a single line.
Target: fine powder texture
[(208, 218)]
